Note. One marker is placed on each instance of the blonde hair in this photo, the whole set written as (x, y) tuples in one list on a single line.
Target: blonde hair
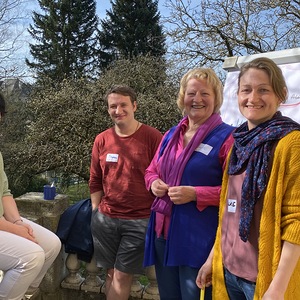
[(201, 74)]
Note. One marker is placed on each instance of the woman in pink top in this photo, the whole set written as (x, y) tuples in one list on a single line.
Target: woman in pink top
[(185, 175)]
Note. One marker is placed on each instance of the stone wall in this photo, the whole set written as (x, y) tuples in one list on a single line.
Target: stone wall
[(47, 213), (64, 281)]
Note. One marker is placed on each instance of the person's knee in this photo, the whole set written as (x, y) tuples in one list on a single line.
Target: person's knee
[(33, 262), (56, 246), (110, 273), (52, 252), (122, 277), (38, 259)]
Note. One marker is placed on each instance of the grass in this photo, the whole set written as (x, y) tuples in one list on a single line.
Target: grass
[(143, 280), (76, 192)]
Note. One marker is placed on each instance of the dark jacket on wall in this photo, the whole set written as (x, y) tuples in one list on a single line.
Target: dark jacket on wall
[(74, 230)]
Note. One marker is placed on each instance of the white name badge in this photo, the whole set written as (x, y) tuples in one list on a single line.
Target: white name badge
[(231, 205), (204, 148), (110, 157)]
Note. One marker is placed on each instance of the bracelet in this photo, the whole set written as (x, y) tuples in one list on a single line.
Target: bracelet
[(17, 221)]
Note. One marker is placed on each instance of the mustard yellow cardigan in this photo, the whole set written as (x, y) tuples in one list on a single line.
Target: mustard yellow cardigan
[(280, 221)]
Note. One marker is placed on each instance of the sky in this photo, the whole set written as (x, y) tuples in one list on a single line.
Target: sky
[(103, 5), (32, 5)]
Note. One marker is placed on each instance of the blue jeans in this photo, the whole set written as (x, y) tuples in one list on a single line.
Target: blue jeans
[(176, 283), (238, 288)]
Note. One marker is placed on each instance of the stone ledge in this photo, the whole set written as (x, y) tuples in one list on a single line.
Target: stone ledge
[(44, 212)]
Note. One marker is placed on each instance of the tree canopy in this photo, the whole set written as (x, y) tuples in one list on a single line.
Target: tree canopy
[(65, 43), (131, 28), (63, 120), (11, 41), (204, 34)]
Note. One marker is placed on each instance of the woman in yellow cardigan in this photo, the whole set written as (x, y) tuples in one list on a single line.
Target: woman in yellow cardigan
[(257, 248)]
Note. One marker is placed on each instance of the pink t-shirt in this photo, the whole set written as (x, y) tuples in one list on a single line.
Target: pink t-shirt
[(240, 258)]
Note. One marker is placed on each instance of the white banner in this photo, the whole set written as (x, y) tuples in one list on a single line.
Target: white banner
[(230, 112)]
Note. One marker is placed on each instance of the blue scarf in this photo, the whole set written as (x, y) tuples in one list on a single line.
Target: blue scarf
[(251, 151)]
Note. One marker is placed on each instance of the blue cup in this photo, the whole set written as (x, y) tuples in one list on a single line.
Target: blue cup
[(49, 192)]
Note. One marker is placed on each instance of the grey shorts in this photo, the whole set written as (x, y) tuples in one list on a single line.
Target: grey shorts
[(119, 243)]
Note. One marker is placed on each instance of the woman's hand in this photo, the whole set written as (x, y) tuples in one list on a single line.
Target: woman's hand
[(204, 277), (24, 230), (182, 194), (159, 188)]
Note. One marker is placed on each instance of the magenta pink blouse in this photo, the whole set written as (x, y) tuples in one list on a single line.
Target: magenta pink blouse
[(205, 195)]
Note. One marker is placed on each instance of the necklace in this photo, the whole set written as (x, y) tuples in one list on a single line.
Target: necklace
[(137, 126), (120, 131)]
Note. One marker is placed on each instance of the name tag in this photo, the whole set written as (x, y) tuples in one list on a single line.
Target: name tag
[(110, 157), (204, 148), (231, 205)]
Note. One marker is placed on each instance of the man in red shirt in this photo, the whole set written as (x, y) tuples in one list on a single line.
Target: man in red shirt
[(120, 201)]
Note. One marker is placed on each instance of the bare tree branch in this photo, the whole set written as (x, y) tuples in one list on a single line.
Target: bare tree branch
[(209, 31), (12, 16)]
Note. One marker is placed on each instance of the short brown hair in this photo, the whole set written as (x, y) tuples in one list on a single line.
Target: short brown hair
[(272, 70), (124, 90)]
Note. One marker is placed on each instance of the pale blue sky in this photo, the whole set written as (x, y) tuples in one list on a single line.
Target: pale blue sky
[(103, 5), (18, 61)]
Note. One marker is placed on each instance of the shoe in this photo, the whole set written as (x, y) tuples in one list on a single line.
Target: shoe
[(31, 292)]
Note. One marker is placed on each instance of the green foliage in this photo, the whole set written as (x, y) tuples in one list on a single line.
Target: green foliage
[(12, 136), (156, 92), (28, 184), (12, 127), (65, 42), (36, 184), (131, 29), (144, 280), (62, 128), (76, 192), (63, 119)]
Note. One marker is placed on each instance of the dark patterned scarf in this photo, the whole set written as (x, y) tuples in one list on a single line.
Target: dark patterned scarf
[(252, 151)]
